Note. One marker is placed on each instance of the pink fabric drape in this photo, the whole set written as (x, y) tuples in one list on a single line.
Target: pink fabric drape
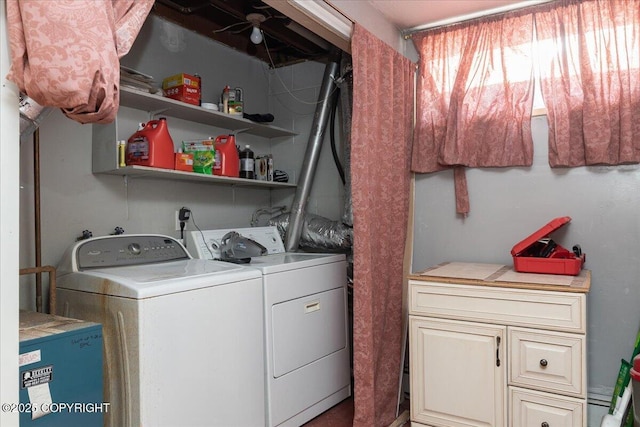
[(65, 53), (474, 98), (590, 80), (380, 159)]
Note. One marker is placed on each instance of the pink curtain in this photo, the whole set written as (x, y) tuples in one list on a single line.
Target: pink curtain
[(380, 158), (474, 97), (590, 80), (65, 53)]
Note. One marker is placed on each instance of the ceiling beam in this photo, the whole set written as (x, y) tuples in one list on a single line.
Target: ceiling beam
[(319, 23)]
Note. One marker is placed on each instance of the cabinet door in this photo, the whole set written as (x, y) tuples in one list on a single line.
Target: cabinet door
[(457, 373)]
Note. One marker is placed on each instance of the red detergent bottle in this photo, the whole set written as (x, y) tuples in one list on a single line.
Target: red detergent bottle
[(227, 161), (151, 146)]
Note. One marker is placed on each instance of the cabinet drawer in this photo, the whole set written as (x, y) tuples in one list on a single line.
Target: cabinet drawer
[(533, 408), (548, 361), (561, 311)]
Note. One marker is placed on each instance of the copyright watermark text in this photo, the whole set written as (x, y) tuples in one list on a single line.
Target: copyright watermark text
[(48, 408)]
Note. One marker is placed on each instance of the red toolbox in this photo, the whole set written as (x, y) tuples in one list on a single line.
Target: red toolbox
[(540, 254)]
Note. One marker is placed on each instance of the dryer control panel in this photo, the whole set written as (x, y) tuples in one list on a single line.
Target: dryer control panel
[(123, 250), (205, 244)]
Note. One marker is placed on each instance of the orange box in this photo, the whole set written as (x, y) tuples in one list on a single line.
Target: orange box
[(184, 162), (182, 87)]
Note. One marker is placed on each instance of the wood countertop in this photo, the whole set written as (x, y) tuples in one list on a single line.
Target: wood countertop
[(502, 276)]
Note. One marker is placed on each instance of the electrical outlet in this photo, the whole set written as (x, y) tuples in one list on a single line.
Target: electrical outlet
[(183, 214), (177, 220)]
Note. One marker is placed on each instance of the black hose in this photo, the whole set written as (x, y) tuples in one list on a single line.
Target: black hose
[(332, 121)]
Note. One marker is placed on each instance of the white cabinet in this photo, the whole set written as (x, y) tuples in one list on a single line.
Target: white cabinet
[(491, 352), (547, 361), (534, 408), (105, 150), (466, 360)]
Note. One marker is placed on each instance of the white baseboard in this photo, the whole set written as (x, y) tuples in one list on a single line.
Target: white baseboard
[(597, 407), (595, 414)]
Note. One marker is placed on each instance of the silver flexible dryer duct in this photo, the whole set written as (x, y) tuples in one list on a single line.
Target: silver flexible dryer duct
[(318, 234), (314, 146)]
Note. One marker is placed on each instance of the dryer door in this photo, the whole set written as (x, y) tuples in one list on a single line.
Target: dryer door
[(307, 329)]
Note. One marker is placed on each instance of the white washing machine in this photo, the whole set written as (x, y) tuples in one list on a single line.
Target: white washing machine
[(305, 306), (183, 337)]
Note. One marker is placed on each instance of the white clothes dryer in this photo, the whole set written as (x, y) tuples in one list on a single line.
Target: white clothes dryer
[(183, 337), (306, 329)]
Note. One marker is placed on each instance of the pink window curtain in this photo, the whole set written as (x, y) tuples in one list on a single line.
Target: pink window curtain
[(590, 80), (380, 158), (65, 53), (474, 98)]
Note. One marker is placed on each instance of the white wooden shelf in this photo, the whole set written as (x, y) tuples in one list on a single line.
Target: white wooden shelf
[(105, 137), (157, 173), (161, 105)]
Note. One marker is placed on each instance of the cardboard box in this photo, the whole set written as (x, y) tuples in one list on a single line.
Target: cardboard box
[(264, 168), (538, 253), (184, 162), (182, 87)]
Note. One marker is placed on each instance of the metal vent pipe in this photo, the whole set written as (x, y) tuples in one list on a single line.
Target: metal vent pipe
[(314, 146)]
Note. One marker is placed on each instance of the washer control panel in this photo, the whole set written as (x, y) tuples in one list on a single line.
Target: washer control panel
[(123, 250)]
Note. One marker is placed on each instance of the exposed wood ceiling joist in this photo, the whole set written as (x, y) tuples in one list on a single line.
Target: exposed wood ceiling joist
[(225, 21)]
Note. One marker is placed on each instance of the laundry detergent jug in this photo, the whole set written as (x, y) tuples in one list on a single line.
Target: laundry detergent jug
[(227, 161), (151, 146)]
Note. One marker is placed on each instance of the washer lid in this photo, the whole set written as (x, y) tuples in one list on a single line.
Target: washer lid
[(144, 281)]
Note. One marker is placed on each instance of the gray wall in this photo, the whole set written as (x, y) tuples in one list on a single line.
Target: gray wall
[(297, 107), (509, 204), (73, 199)]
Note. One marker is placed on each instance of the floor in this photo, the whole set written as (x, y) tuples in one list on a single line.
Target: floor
[(341, 415)]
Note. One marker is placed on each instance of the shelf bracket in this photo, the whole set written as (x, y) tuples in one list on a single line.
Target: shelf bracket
[(156, 112)]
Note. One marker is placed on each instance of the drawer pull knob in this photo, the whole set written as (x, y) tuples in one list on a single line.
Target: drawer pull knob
[(543, 363), (544, 424)]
